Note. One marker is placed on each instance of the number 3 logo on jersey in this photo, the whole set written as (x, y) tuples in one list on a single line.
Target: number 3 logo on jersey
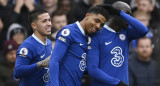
[(118, 58)]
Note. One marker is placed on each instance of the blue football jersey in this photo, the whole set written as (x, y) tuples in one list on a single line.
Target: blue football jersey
[(112, 48), (31, 51), (70, 50)]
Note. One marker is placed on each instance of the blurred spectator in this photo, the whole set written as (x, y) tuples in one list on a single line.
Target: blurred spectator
[(18, 13), (7, 63), (143, 17), (149, 6), (142, 69), (81, 8), (59, 20), (66, 6), (49, 5), (22, 9), (17, 33), (1, 25), (5, 18)]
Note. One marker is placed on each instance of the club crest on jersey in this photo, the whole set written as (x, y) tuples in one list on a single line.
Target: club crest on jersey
[(65, 32), (122, 37), (89, 40), (23, 51)]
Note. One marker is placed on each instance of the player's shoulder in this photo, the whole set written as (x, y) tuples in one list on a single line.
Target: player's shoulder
[(67, 30), (28, 43)]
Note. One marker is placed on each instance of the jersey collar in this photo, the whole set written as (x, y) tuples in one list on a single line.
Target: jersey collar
[(108, 28), (36, 38), (80, 28)]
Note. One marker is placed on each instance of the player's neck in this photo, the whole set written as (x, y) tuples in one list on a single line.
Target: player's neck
[(114, 27), (82, 23), (42, 38)]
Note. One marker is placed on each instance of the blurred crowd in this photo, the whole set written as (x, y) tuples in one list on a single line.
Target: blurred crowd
[(144, 55)]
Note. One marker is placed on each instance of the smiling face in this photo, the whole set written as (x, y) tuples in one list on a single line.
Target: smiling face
[(42, 25), (94, 22)]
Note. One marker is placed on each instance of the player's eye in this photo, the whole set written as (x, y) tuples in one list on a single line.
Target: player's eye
[(49, 20), (44, 20), (97, 20)]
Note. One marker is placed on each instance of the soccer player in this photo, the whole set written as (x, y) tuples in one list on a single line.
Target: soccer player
[(107, 58), (34, 53), (68, 60)]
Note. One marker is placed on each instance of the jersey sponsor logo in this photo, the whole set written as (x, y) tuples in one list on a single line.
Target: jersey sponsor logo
[(23, 51), (65, 32), (122, 37), (89, 40), (118, 58), (81, 44), (46, 75), (62, 39), (42, 56), (82, 64), (107, 43)]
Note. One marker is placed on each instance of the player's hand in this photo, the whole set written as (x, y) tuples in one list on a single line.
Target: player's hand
[(44, 63), (122, 84), (112, 10)]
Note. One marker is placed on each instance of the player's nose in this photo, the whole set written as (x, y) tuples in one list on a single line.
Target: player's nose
[(98, 26)]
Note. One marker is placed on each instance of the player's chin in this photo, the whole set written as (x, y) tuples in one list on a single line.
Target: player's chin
[(48, 33)]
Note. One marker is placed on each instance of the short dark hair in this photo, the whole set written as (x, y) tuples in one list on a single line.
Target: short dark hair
[(99, 10), (34, 14)]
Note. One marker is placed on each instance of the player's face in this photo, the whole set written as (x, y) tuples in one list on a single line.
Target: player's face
[(144, 48), (43, 24), (11, 56), (94, 22)]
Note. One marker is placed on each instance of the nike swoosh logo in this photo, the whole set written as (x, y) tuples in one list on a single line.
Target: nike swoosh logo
[(107, 43), (81, 44), (42, 56)]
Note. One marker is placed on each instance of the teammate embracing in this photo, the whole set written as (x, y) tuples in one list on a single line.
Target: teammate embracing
[(107, 58)]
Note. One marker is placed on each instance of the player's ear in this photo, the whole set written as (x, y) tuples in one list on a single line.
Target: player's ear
[(87, 15), (33, 26)]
